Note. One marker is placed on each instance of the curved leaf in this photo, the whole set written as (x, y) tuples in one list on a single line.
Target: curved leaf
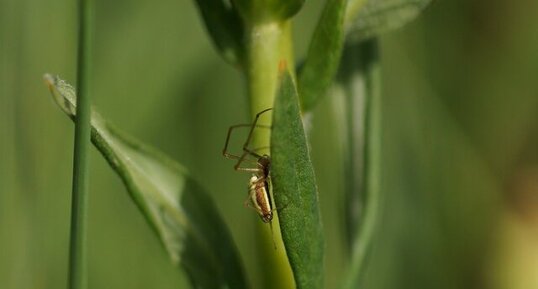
[(225, 27), (360, 79), (378, 16), (294, 189), (179, 210), (323, 55)]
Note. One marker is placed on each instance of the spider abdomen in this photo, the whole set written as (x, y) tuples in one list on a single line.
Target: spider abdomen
[(260, 198)]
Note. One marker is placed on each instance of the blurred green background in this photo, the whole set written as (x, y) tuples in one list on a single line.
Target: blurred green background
[(460, 169)]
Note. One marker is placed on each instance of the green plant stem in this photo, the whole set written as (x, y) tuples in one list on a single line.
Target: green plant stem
[(365, 85), (79, 204), (269, 46)]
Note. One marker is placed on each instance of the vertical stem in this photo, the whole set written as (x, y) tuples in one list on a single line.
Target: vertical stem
[(365, 71), (269, 44), (79, 203)]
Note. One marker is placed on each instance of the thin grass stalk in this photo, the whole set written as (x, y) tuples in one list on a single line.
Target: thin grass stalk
[(77, 278)]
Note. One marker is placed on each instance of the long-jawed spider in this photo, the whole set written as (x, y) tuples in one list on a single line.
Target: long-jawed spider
[(259, 197)]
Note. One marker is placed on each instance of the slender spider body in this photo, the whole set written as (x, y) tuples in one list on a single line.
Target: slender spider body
[(259, 197)]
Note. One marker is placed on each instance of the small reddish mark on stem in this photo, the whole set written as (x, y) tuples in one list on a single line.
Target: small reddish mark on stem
[(282, 66)]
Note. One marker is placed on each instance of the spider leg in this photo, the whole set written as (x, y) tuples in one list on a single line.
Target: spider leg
[(248, 203), (241, 159), (254, 124), (225, 152)]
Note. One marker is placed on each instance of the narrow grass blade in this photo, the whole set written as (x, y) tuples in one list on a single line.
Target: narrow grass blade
[(295, 190), (225, 28), (323, 57), (182, 214), (360, 80), (379, 16)]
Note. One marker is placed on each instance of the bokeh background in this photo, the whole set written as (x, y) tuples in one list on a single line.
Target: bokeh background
[(460, 143)]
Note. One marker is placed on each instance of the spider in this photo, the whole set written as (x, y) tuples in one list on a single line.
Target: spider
[(259, 197)]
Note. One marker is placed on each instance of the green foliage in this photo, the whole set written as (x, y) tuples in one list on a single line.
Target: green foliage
[(355, 21), (323, 55), (225, 27), (177, 207), (256, 36), (295, 190), (379, 16), (359, 80), (459, 143)]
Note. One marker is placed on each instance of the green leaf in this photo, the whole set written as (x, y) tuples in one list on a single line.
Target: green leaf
[(323, 55), (379, 16), (225, 28), (294, 189), (181, 213), (359, 79)]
